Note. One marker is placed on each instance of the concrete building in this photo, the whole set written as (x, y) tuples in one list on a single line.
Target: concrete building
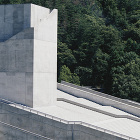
[(33, 106), (28, 54)]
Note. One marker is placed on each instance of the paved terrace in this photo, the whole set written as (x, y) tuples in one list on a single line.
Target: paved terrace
[(71, 109), (106, 117)]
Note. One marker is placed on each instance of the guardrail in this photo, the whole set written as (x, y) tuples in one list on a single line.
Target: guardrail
[(4, 101), (102, 94), (25, 131)]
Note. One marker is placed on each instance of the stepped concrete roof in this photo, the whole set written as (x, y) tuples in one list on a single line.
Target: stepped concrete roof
[(101, 116)]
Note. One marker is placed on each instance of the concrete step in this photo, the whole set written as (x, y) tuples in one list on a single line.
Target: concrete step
[(80, 102), (100, 98)]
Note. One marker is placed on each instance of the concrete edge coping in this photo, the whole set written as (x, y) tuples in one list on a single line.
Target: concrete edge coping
[(101, 94), (99, 110), (92, 94), (25, 131)]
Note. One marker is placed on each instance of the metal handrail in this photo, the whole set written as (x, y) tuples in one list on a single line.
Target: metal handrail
[(65, 121)]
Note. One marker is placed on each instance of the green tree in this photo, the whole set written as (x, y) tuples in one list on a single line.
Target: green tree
[(126, 78), (85, 75), (66, 75), (99, 41), (15, 1), (100, 69), (65, 57)]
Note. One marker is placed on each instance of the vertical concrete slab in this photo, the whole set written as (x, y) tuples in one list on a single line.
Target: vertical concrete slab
[(28, 54), (1, 31), (45, 61), (47, 29), (2, 13), (38, 14), (8, 13), (27, 16), (18, 18), (29, 88), (13, 19)]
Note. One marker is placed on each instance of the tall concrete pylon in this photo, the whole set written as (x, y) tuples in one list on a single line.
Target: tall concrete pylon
[(28, 54)]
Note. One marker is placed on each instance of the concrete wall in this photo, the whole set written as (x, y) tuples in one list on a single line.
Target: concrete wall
[(38, 14), (99, 99), (13, 19), (45, 61), (16, 70), (8, 132), (28, 54), (17, 17), (47, 127), (126, 101)]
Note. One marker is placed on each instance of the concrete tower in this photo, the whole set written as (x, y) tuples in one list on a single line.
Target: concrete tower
[(28, 54)]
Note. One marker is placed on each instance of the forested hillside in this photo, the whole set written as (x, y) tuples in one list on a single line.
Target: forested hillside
[(98, 43)]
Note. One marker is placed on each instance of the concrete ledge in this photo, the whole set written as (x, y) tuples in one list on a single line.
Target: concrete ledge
[(99, 99), (99, 110), (102, 94), (53, 127)]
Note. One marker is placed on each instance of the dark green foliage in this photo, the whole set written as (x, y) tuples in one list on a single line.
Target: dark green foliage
[(100, 68), (65, 55), (85, 75), (98, 43), (66, 75), (4, 1), (126, 78), (15, 1)]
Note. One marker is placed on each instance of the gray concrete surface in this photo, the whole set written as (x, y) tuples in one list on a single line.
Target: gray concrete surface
[(45, 127), (14, 19), (8, 132), (28, 54), (126, 101), (28, 75), (128, 116), (99, 99)]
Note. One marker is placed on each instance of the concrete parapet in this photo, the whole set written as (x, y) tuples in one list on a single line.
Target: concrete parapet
[(99, 99), (136, 104)]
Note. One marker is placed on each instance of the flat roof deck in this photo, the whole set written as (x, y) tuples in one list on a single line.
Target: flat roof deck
[(72, 112)]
